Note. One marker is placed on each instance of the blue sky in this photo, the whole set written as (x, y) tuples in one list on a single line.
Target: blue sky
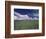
[(29, 12)]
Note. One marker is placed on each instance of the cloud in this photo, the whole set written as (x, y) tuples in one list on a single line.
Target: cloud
[(18, 16)]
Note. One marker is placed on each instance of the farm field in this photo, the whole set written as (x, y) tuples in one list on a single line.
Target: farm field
[(26, 24)]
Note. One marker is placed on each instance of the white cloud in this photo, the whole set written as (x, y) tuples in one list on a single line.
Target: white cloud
[(23, 17)]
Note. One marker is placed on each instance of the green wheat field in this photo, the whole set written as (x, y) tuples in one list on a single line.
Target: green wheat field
[(26, 24)]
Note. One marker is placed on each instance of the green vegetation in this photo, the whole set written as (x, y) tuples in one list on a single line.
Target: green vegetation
[(26, 24)]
